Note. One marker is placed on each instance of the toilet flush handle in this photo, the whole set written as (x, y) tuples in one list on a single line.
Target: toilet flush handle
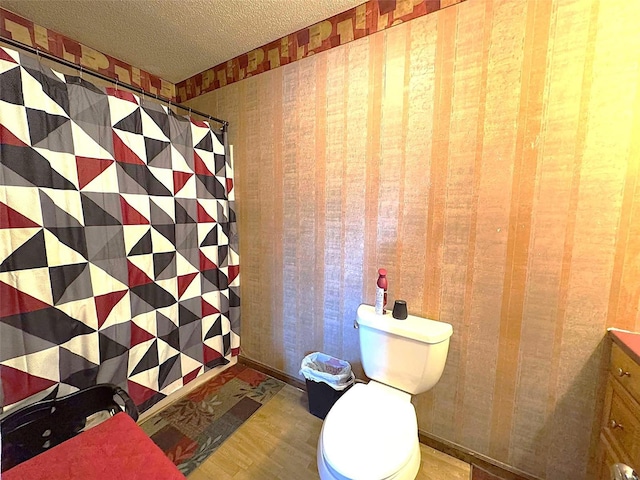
[(355, 324)]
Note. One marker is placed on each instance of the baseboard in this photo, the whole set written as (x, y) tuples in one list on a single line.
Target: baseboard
[(490, 465), (261, 367), (479, 460), (195, 383)]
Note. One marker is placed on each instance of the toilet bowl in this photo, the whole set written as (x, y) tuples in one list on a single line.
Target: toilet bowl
[(371, 433)]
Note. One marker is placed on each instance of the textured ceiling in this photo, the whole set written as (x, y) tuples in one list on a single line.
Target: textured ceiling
[(175, 39)]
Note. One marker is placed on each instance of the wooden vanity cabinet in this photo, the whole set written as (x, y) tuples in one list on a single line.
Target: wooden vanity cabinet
[(620, 429)]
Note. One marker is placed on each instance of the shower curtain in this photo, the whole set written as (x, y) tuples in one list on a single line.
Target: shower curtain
[(118, 241)]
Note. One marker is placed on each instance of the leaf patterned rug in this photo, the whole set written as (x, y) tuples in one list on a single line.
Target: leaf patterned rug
[(192, 428)]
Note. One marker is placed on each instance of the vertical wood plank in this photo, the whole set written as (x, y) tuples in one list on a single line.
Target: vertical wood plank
[(519, 230), (419, 92), (376, 75), (391, 155), (355, 172), (275, 275), (249, 215), (334, 184), (558, 435), (290, 215), (262, 184), (445, 44), (561, 105), (467, 331), (504, 71), (262, 234), (319, 160), (305, 265), (445, 48), (459, 203)]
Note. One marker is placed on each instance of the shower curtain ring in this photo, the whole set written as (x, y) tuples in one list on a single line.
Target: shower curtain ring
[(81, 72), (117, 82)]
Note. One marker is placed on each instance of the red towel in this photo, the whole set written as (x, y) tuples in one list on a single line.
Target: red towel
[(116, 448)]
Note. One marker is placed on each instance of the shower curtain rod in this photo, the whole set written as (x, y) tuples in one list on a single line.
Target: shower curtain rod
[(67, 63)]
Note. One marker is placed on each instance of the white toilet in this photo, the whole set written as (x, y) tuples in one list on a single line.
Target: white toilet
[(371, 433)]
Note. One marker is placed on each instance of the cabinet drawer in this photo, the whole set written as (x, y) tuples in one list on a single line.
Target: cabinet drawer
[(607, 458), (622, 425), (626, 371)]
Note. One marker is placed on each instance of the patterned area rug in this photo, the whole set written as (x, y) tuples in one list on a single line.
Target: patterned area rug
[(192, 428)]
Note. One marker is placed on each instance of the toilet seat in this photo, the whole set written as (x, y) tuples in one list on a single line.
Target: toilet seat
[(370, 433)]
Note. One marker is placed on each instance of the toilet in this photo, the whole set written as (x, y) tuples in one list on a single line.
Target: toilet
[(371, 433)]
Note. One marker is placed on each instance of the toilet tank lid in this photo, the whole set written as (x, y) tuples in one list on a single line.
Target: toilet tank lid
[(418, 328)]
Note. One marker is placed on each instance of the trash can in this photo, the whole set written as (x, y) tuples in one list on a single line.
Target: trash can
[(327, 379)]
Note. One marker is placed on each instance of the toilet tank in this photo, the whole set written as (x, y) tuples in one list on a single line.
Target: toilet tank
[(405, 354)]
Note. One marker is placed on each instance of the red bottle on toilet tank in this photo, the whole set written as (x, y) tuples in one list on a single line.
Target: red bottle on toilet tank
[(381, 292)]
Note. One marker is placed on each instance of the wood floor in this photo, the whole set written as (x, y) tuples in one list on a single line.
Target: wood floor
[(279, 442)]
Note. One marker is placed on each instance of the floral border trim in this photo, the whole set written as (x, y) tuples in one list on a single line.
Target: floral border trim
[(366, 19), (28, 33)]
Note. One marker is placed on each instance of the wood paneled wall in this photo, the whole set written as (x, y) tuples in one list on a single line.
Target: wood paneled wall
[(487, 155)]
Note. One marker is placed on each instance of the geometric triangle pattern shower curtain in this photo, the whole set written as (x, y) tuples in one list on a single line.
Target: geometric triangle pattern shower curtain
[(118, 240)]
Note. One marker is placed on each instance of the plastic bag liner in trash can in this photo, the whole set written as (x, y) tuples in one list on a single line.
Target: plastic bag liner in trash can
[(327, 379)]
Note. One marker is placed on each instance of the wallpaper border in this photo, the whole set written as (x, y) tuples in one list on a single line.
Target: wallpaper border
[(358, 22), (25, 31), (366, 19)]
